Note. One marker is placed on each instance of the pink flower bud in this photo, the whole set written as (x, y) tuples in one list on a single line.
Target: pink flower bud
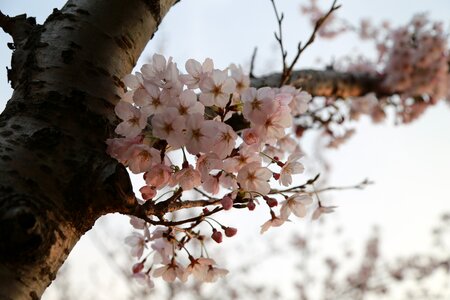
[(230, 231), (217, 236), (137, 267), (271, 202), (251, 205), (227, 202), (147, 192)]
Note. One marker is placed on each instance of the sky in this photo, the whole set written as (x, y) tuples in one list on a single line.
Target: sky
[(409, 163)]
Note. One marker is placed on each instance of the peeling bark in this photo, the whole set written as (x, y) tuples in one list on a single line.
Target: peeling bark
[(56, 176)]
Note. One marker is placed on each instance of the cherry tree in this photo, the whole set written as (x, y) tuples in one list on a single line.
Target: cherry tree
[(78, 118)]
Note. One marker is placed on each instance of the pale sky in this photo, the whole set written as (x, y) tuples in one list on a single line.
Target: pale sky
[(409, 164)]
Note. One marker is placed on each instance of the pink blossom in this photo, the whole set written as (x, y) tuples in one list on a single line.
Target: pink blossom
[(135, 83), (214, 273), (186, 103), (133, 120), (118, 147), (228, 181), (170, 272), (154, 102), (216, 89), (137, 223), (225, 140), (145, 279), (251, 136), (137, 243), (296, 204), (211, 184), (168, 125), (199, 267), (275, 124), (158, 176), (163, 248), (142, 157), (199, 134), (163, 74), (288, 144), (245, 156), (242, 80), (273, 222), (187, 178), (322, 210), (253, 178), (299, 103), (207, 163), (291, 167), (258, 104), (196, 72)]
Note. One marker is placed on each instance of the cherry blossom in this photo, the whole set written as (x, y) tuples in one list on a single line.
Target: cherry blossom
[(188, 178), (137, 243), (168, 125), (133, 120), (199, 134), (198, 267), (142, 157), (224, 141), (253, 178), (296, 204), (216, 89), (170, 272), (273, 222), (322, 210), (292, 166), (258, 104), (158, 176), (196, 72), (214, 273), (186, 103)]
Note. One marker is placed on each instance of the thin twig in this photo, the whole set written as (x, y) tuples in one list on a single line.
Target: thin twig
[(287, 74), (358, 186), (252, 63), (279, 38), (302, 188)]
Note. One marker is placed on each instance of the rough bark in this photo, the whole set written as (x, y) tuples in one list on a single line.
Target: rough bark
[(56, 177)]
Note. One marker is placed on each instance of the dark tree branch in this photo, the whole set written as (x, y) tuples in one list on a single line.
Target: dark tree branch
[(328, 83)]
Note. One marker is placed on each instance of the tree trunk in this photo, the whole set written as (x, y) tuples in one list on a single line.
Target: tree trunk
[(56, 176)]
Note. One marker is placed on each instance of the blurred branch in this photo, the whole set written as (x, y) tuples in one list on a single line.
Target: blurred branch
[(327, 83)]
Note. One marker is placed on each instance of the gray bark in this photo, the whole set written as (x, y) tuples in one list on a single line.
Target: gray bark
[(56, 176)]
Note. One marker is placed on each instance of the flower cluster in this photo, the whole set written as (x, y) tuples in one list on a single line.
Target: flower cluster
[(417, 60), (234, 145)]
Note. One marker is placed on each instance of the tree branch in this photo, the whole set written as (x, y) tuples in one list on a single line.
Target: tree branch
[(328, 83)]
